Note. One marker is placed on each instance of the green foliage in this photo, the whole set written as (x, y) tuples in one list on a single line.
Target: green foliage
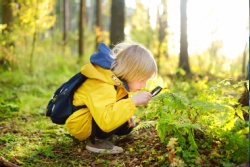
[(9, 107), (172, 118), (144, 125), (8, 110), (202, 117), (31, 18), (34, 14)]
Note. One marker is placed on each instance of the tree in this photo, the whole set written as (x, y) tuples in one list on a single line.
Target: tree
[(117, 21), (7, 13), (65, 22), (183, 61), (213, 51), (244, 59), (98, 27), (81, 28), (140, 24), (34, 37), (162, 32), (6, 54)]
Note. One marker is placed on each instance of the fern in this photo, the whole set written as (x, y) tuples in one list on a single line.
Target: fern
[(208, 118), (144, 125)]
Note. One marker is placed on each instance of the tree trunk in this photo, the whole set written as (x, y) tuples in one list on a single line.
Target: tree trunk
[(7, 18), (183, 62), (162, 32), (33, 40), (98, 28), (81, 28), (244, 60), (117, 22), (65, 22), (7, 13)]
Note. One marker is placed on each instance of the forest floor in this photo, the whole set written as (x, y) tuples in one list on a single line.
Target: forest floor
[(141, 148)]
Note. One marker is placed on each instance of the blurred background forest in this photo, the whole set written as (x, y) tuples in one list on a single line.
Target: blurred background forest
[(199, 37)]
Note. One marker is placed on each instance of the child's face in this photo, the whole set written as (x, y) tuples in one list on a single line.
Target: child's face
[(136, 85)]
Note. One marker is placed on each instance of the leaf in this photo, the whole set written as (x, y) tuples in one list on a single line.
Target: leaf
[(144, 125), (239, 112)]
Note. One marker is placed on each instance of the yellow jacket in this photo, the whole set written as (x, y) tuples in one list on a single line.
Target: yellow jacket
[(103, 102)]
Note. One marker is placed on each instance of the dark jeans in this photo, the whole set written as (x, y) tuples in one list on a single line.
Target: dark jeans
[(98, 133)]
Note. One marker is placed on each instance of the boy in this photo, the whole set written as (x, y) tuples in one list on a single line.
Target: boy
[(112, 75)]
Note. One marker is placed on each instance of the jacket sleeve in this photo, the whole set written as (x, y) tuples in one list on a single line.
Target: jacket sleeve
[(108, 113)]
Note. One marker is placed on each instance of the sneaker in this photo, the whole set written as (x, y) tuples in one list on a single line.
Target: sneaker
[(103, 146)]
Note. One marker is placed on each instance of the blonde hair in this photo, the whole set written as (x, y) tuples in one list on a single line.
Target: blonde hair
[(133, 62)]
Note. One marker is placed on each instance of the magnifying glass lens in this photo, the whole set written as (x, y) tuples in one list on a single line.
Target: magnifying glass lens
[(156, 90)]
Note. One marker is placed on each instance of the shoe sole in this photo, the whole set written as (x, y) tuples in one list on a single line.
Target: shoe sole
[(115, 150)]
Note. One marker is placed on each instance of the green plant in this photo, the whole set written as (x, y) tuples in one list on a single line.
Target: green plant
[(207, 122)]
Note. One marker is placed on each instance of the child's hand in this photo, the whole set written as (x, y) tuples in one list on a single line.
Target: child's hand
[(141, 98), (131, 122)]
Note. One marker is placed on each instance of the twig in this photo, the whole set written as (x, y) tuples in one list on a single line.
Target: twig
[(5, 163), (11, 98)]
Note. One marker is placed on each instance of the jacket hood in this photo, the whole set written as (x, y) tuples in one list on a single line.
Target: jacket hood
[(103, 57), (99, 67)]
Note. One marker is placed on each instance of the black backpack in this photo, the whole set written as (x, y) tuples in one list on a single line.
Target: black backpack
[(60, 106)]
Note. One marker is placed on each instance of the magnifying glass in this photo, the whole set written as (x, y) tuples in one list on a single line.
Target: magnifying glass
[(156, 90)]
